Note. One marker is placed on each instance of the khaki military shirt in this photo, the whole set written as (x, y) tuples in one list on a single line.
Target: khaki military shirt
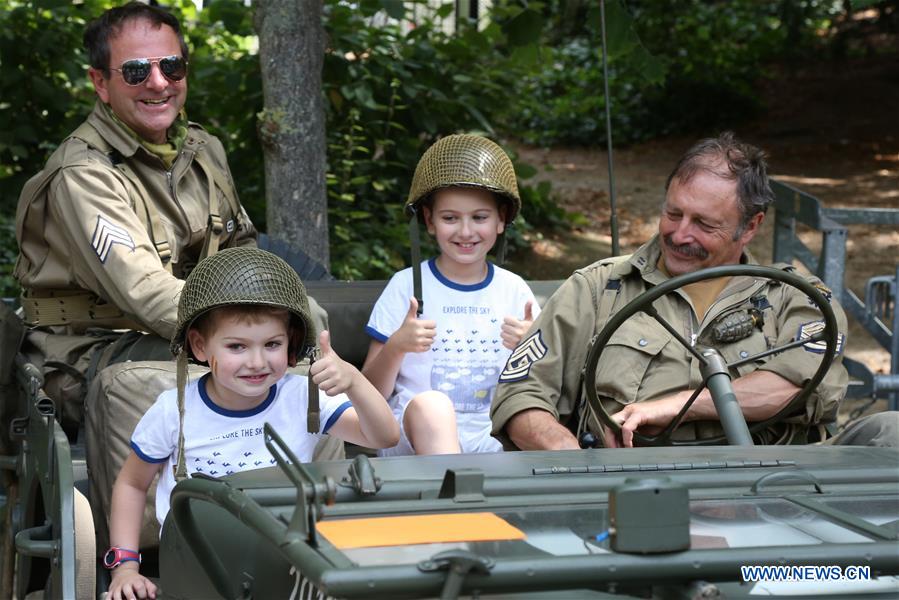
[(92, 233), (642, 361)]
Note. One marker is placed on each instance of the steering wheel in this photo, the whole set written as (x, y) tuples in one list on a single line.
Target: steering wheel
[(722, 387)]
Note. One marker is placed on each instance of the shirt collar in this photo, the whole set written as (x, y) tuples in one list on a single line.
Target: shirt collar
[(126, 142)]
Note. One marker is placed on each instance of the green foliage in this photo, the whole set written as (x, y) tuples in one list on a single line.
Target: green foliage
[(715, 53), (44, 91), (390, 95), (562, 99), (674, 65), (565, 103), (44, 94), (533, 70), (226, 91), (8, 252)]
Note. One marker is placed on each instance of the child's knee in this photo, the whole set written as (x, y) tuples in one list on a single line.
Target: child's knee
[(429, 422), (430, 409), (431, 402)]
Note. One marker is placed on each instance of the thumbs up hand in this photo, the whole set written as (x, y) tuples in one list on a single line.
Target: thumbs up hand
[(330, 373), (514, 329), (414, 335)]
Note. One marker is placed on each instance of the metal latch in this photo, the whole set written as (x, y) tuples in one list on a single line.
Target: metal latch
[(361, 477), (458, 564)]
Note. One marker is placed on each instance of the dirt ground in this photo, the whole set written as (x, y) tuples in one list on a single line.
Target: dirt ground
[(831, 130)]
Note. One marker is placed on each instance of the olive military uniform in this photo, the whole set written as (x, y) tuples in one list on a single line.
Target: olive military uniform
[(116, 231), (642, 360), (107, 232)]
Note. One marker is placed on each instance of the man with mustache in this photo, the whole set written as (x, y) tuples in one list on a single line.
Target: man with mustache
[(716, 198)]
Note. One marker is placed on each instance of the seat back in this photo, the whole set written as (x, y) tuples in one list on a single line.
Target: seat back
[(349, 305)]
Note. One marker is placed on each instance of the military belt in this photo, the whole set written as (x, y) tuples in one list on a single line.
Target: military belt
[(65, 307)]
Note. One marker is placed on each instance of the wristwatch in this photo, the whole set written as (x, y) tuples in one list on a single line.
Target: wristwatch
[(116, 556)]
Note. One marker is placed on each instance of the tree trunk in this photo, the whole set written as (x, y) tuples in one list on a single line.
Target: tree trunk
[(292, 124)]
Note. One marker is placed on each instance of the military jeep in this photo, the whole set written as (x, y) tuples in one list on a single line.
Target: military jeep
[(679, 522)]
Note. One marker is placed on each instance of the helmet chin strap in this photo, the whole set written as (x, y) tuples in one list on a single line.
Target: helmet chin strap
[(501, 249), (181, 379), (415, 250), (313, 412)]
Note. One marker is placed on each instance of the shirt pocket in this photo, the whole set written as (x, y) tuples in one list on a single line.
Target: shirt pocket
[(625, 360), (751, 345)]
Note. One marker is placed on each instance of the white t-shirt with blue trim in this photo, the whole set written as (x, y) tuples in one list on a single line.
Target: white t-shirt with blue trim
[(468, 353), (218, 441)]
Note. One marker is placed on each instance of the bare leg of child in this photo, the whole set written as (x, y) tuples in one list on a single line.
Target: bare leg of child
[(430, 424)]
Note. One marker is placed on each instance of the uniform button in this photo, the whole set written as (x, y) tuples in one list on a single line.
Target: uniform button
[(743, 354), (642, 342)]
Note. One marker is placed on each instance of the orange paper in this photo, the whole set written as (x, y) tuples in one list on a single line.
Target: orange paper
[(418, 529)]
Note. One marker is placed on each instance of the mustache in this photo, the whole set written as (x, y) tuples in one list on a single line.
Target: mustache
[(687, 249)]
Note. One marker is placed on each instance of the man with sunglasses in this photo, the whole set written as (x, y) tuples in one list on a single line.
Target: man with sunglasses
[(126, 206)]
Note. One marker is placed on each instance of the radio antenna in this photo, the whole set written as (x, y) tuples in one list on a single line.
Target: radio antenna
[(613, 222)]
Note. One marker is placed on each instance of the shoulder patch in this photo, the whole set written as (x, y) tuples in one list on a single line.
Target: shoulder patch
[(106, 235), (812, 328), (528, 351), (825, 291)]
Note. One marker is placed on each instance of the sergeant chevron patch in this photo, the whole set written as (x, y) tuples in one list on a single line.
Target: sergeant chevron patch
[(529, 351), (807, 330), (106, 235)]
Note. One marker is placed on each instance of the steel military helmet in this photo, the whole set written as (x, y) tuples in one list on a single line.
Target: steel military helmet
[(248, 276), (465, 160)]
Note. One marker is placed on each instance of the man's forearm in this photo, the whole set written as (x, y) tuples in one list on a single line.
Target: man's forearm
[(536, 429), (761, 394)]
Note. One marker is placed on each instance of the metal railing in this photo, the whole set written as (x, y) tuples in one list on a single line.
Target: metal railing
[(879, 307)]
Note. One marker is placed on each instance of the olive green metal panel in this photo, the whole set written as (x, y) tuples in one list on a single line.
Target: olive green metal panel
[(263, 572)]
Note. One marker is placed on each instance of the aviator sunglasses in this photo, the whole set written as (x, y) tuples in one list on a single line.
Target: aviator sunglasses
[(137, 70)]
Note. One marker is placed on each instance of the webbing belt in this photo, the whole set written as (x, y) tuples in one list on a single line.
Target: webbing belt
[(63, 308), (415, 250), (313, 410), (215, 225)]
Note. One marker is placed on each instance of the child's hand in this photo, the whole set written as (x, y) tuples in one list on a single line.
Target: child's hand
[(514, 329), (127, 583), (330, 373), (414, 335)]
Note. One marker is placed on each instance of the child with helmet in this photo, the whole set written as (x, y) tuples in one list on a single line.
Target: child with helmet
[(244, 312), (442, 329)]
